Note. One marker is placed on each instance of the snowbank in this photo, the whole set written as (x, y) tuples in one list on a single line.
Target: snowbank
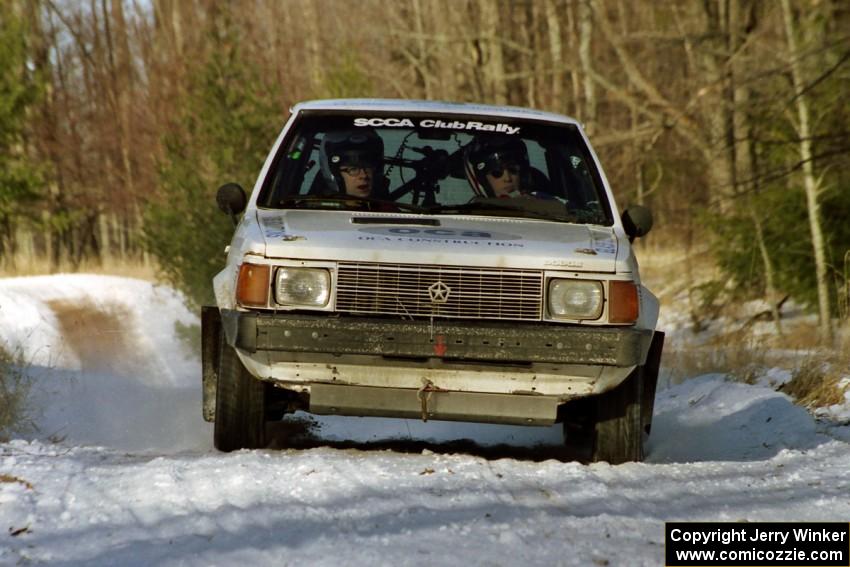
[(108, 364), (113, 376)]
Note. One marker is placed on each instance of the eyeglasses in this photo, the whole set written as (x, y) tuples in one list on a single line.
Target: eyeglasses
[(354, 171), (499, 170)]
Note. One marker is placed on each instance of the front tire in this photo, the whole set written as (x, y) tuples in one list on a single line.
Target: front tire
[(618, 432), (240, 407), (608, 426)]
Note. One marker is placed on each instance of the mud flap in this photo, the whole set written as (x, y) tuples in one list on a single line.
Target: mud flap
[(210, 337), (650, 380)]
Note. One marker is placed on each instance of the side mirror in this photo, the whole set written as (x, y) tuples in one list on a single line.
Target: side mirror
[(637, 221), (231, 199)]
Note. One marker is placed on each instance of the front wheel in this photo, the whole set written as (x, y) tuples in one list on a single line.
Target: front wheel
[(240, 406), (618, 432), (608, 426)]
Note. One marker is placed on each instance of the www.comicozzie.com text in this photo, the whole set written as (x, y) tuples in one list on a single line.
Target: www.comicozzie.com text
[(726, 536)]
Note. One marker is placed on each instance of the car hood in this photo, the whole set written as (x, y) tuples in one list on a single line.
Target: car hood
[(464, 240)]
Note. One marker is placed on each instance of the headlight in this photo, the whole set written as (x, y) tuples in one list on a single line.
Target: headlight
[(575, 299), (308, 287)]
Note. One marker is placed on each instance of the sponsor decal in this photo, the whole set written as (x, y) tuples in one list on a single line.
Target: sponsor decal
[(440, 124), (602, 242), (388, 122), (458, 241), (276, 228), (439, 233), (273, 222), (607, 246)]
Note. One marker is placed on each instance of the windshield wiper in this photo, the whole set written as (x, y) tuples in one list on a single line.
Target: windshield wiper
[(376, 205)]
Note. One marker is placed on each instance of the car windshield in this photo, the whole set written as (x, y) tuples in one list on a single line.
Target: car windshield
[(437, 164)]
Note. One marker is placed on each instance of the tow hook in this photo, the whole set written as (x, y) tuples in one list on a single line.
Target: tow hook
[(424, 395)]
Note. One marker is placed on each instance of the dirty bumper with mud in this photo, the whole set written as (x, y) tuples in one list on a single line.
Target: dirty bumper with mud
[(482, 371), (433, 403), (446, 340)]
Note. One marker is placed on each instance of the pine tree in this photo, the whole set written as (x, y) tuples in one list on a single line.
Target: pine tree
[(20, 89), (226, 126)]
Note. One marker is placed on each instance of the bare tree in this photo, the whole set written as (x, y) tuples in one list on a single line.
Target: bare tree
[(585, 15), (810, 183)]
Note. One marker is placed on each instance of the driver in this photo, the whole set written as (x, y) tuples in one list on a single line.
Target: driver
[(497, 166), (351, 161)]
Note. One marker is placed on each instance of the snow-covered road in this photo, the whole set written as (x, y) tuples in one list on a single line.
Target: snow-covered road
[(121, 470)]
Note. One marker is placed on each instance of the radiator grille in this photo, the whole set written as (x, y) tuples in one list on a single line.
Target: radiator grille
[(475, 293)]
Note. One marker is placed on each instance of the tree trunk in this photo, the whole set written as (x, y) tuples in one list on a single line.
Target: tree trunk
[(809, 182), (585, 15), (556, 53), (421, 52), (26, 244), (7, 244), (123, 83), (575, 86), (740, 138), (770, 293), (310, 32), (494, 64), (104, 239), (117, 230), (526, 21)]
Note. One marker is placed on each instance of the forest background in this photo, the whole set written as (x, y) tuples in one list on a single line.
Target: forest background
[(729, 118)]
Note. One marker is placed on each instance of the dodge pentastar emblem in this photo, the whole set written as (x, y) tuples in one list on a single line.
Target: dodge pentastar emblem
[(439, 292)]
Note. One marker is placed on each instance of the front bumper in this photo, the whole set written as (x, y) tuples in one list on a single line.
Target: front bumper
[(492, 372), (489, 342)]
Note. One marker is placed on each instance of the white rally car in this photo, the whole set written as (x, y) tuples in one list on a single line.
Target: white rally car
[(437, 261)]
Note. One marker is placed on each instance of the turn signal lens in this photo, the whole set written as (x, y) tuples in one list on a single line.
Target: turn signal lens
[(623, 306), (252, 288)]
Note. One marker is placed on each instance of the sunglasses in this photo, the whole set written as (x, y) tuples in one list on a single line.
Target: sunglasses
[(500, 170)]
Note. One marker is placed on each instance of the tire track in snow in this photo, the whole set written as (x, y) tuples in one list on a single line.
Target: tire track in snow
[(100, 336)]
